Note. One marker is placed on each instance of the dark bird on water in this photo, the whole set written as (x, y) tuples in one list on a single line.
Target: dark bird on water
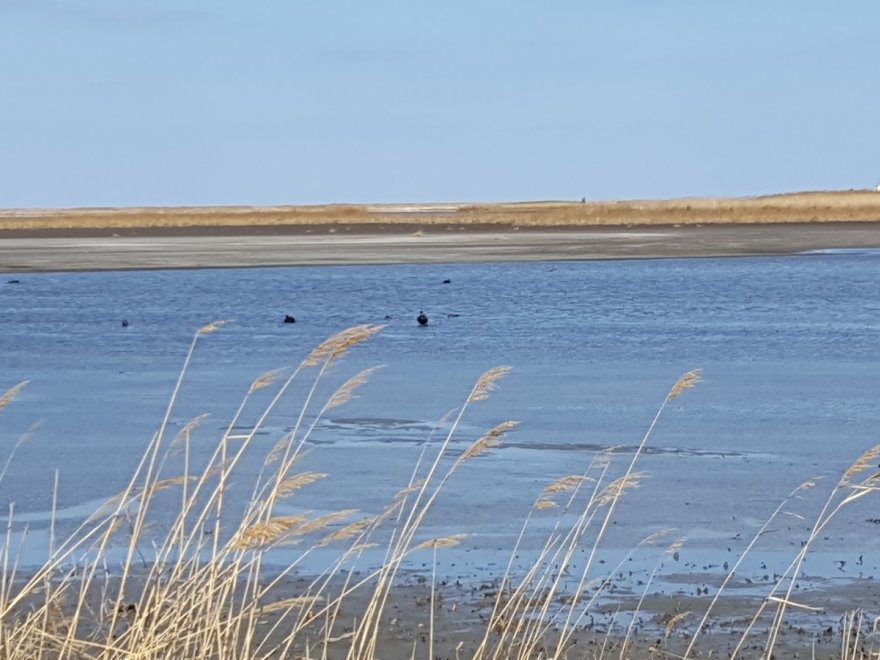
[(447, 281), (124, 323), (422, 318), (289, 319)]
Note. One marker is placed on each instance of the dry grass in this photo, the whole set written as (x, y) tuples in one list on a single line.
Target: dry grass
[(203, 593), (827, 206)]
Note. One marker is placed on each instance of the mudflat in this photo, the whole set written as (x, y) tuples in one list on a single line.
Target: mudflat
[(147, 248)]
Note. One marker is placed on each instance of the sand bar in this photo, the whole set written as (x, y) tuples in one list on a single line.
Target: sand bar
[(277, 246), (33, 240)]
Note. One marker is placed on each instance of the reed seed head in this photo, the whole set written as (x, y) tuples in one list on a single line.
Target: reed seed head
[(809, 483), (297, 481), (675, 546), (211, 327), (603, 458), (352, 529), (862, 463), (565, 484), (321, 522), (278, 448), (265, 532), (619, 486), (162, 484), (490, 439), (444, 542), (335, 347), (486, 383), (189, 427), (408, 490), (11, 393), (360, 547), (264, 380), (686, 382), (346, 391), (656, 536)]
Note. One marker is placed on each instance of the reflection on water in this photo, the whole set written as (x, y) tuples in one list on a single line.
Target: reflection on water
[(788, 349)]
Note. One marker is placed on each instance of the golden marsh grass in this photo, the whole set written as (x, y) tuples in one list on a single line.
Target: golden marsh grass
[(204, 592), (818, 206)]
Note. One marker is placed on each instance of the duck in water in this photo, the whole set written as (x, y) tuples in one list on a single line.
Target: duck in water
[(422, 318), (289, 319)]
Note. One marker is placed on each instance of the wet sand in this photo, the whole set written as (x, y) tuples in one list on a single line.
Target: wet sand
[(337, 244)]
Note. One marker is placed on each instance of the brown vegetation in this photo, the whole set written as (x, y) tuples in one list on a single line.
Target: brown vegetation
[(830, 206), (205, 594)]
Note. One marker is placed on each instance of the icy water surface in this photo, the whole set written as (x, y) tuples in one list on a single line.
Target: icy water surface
[(788, 349)]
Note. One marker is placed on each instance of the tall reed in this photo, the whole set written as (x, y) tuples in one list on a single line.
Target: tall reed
[(196, 585)]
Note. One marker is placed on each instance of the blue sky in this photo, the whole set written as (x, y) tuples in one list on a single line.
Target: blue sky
[(159, 102)]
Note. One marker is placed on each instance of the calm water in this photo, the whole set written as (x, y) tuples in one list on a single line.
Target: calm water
[(788, 348)]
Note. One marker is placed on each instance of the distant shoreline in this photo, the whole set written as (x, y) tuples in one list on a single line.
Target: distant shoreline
[(332, 244), (854, 206), (35, 240)]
